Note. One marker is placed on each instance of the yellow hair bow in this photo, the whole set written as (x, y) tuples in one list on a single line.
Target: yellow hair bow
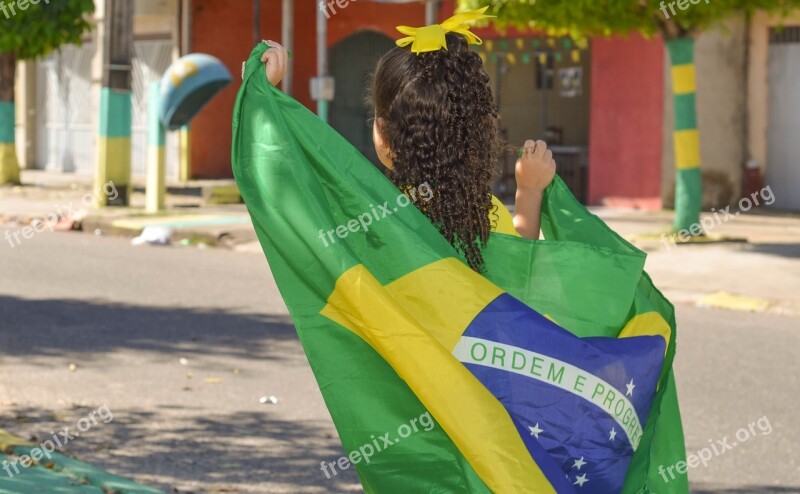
[(432, 38)]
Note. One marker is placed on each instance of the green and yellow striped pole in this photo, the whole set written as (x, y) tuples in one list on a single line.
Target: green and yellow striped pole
[(156, 169), (9, 166), (688, 182), (113, 145), (113, 163)]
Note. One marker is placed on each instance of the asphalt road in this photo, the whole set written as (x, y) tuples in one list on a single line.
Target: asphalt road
[(180, 345)]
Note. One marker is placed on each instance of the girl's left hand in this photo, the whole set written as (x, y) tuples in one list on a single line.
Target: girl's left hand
[(275, 57)]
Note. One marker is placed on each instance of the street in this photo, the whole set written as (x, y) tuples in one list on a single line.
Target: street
[(188, 346)]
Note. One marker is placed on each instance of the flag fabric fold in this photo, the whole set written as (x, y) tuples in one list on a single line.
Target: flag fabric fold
[(549, 372)]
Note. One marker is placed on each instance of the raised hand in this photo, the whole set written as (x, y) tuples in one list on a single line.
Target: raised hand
[(275, 57)]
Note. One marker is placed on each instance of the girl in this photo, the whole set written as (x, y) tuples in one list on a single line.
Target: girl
[(391, 328), (435, 122)]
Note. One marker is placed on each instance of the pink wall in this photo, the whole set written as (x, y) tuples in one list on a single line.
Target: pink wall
[(626, 118)]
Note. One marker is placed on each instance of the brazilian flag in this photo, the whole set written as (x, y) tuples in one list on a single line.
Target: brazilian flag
[(551, 372)]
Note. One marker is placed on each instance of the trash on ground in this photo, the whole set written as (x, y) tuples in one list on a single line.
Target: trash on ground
[(66, 224), (153, 235), (268, 400)]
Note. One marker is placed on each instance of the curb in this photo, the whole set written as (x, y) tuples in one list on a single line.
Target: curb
[(732, 301), (218, 235)]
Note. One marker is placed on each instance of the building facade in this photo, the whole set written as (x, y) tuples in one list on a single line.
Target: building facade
[(605, 105)]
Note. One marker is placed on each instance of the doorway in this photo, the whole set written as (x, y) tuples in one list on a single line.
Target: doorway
[(352, 61), (783, 147)]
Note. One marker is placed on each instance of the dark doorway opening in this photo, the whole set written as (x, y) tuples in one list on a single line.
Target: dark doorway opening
[(352, 62)]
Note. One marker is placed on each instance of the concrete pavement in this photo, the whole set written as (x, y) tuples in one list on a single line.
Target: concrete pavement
[(757, 272), (181, 344)]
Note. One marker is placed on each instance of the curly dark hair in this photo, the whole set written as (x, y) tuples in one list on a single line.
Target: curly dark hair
[(437, 114)]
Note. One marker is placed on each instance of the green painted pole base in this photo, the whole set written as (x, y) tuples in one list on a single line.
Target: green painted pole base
[(113, 165), (688, 197)]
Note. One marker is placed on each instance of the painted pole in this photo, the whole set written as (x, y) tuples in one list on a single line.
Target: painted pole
[(322, 61), (256, 21), (287, 38), (113, 163), (185, 161), (156, 161), (185, 136), (688, 178), (431, 11), (9, 165)]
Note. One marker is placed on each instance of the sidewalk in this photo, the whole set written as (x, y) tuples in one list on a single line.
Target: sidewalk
[(193, 210), (760, 271)]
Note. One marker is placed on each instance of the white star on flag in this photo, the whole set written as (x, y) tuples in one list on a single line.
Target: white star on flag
[(579, 463), (612, 435), (580, 480), (630, 387), (535, 430)]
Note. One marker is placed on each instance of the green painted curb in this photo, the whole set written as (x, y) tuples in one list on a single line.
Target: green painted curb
[(61, 474)]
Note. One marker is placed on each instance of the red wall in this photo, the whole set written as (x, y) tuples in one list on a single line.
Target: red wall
[(626, 118), (626, 88), (224, 29), (366, 15)]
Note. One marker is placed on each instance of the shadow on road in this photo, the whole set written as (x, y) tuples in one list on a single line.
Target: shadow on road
[(186, 446), (750, 489), (790, 251), (219, 453), (57, 326)]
